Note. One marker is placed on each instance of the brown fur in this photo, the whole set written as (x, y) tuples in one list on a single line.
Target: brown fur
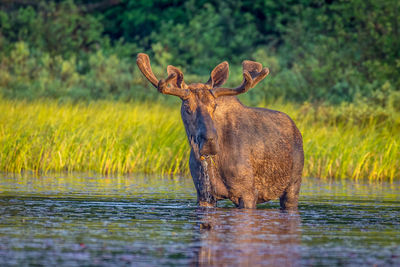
[(248, 155)]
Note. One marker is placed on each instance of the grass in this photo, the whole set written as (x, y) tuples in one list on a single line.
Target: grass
[(104, 137), (118, 138), (340, 143)]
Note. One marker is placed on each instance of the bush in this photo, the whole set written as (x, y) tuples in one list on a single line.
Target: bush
[(28, 75), (317, 51), (58, 29)]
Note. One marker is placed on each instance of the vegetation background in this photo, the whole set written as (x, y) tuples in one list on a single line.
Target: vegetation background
[(335, 64)]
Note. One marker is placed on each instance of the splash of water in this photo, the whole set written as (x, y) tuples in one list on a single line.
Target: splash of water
[(205, 179), (204, 183)]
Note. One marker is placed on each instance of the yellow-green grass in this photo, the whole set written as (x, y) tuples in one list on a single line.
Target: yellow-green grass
[(117, 138)]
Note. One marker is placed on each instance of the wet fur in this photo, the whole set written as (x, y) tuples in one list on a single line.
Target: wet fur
[(260, 157)]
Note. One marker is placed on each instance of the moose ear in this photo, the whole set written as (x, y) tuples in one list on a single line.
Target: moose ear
[(178, 79), (219, 75)]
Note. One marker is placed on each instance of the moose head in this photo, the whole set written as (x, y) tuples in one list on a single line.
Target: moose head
[(199, 100)]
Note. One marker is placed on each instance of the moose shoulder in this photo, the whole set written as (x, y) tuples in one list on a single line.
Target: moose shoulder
[(248, 155)]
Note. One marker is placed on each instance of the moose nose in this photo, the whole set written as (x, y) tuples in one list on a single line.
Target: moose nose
[(204, 137), (207, 142)]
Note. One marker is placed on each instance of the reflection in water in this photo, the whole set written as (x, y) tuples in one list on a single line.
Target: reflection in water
[(154, 221), (248, 238)]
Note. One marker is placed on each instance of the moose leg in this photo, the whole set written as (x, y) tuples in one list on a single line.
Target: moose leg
[(289, 199), (290, 196), (242, 190), (206, 204), (248, 198), (248, 201), (205, 196)]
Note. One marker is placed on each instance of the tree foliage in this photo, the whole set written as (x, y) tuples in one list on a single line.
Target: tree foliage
[(317, 50)]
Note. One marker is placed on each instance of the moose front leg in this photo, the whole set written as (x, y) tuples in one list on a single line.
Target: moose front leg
[(206, 204), (248, 201), (205, 195), (205, 199), (245, 200), (243, 192)]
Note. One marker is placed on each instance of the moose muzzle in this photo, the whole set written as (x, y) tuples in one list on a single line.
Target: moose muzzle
[(206, 137), (207, 144)]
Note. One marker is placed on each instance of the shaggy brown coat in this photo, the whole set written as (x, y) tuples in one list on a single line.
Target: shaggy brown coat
[(248, 155)]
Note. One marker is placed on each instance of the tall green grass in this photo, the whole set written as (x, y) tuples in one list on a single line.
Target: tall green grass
[(105, 137), (118, 138), (345, 142)]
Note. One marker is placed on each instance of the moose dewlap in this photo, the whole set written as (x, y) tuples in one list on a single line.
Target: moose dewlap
[(248, 155)]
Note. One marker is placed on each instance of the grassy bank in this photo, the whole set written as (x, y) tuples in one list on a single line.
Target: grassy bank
[(119, 138)]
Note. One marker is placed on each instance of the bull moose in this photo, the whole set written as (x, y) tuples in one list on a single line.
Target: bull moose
[(248, 155)]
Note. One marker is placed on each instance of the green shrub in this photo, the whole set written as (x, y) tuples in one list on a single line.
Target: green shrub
[(58, 29), (317, 51)]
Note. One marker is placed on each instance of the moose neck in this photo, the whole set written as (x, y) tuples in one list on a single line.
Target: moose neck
[(228, 105), (210, 184)]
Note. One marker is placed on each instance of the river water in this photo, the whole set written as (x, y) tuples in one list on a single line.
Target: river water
[(151, 221)]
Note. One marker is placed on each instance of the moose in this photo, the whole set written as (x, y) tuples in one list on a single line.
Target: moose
[(245, 154)]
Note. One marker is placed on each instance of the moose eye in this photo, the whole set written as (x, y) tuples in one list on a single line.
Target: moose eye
[(187, 109)]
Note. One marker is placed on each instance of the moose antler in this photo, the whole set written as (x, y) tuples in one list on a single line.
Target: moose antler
[(173, 85), (253, 73)]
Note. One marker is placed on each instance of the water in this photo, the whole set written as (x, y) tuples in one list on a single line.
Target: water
[(205, 180), (152, 221)]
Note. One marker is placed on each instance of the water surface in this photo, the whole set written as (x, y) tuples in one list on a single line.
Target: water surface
[(151, 221)]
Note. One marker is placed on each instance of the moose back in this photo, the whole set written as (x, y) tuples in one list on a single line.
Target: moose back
[(248, 155)]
